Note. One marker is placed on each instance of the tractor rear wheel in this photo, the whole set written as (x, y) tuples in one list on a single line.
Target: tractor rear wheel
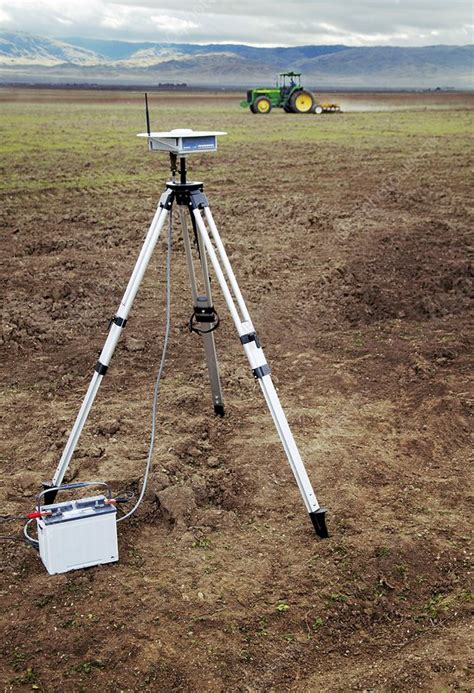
[(263, 105), (302, 102)]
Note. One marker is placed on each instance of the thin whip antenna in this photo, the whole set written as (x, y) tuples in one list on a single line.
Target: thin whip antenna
[(147, 114)]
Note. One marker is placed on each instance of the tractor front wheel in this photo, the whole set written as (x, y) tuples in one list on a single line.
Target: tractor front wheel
[(302, 102), (262, 105)]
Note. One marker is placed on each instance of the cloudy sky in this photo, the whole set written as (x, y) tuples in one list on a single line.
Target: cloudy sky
[(258, 22)]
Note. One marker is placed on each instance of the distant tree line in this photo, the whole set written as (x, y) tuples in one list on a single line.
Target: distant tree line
[(161, 86)]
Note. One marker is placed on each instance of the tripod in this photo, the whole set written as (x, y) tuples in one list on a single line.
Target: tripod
[(190, 196)]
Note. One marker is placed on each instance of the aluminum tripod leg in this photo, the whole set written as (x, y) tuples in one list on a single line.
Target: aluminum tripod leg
[(260, 368), (204, 312), (116, 326)]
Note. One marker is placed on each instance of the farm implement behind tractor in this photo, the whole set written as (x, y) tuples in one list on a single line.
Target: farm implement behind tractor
[(289, 95)]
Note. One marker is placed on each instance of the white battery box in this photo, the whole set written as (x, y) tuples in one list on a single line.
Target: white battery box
[(77, 534)]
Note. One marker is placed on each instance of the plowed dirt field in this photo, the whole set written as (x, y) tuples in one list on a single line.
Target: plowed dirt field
[(349, 235)]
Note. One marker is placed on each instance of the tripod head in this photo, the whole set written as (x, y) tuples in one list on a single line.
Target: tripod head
[(182, 141), (179, 142)]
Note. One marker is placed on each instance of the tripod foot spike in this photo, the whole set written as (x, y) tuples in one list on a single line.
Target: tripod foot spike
[(318, 518), (219, 410)]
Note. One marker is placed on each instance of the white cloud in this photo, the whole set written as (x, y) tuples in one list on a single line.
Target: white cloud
[(116, 17), (351, 38), (259, 22), (113, 19), (173, 24), (4, 17), (66, 22)]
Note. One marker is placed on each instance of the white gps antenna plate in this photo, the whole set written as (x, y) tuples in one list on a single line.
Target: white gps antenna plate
[(182, 141)]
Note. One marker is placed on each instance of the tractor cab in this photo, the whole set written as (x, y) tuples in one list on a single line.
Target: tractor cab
[(287, 81)]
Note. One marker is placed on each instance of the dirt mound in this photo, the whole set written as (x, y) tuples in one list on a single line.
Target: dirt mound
[(417, 274)]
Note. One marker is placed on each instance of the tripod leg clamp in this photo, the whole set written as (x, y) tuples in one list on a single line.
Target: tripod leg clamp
[(260, 371), (116, 320), (101, 368), (318, 518), (250, 337)]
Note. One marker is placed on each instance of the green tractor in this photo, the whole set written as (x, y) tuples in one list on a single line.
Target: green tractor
[(288, 94)]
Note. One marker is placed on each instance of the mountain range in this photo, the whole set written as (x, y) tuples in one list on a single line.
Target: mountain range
[(26, 58)]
